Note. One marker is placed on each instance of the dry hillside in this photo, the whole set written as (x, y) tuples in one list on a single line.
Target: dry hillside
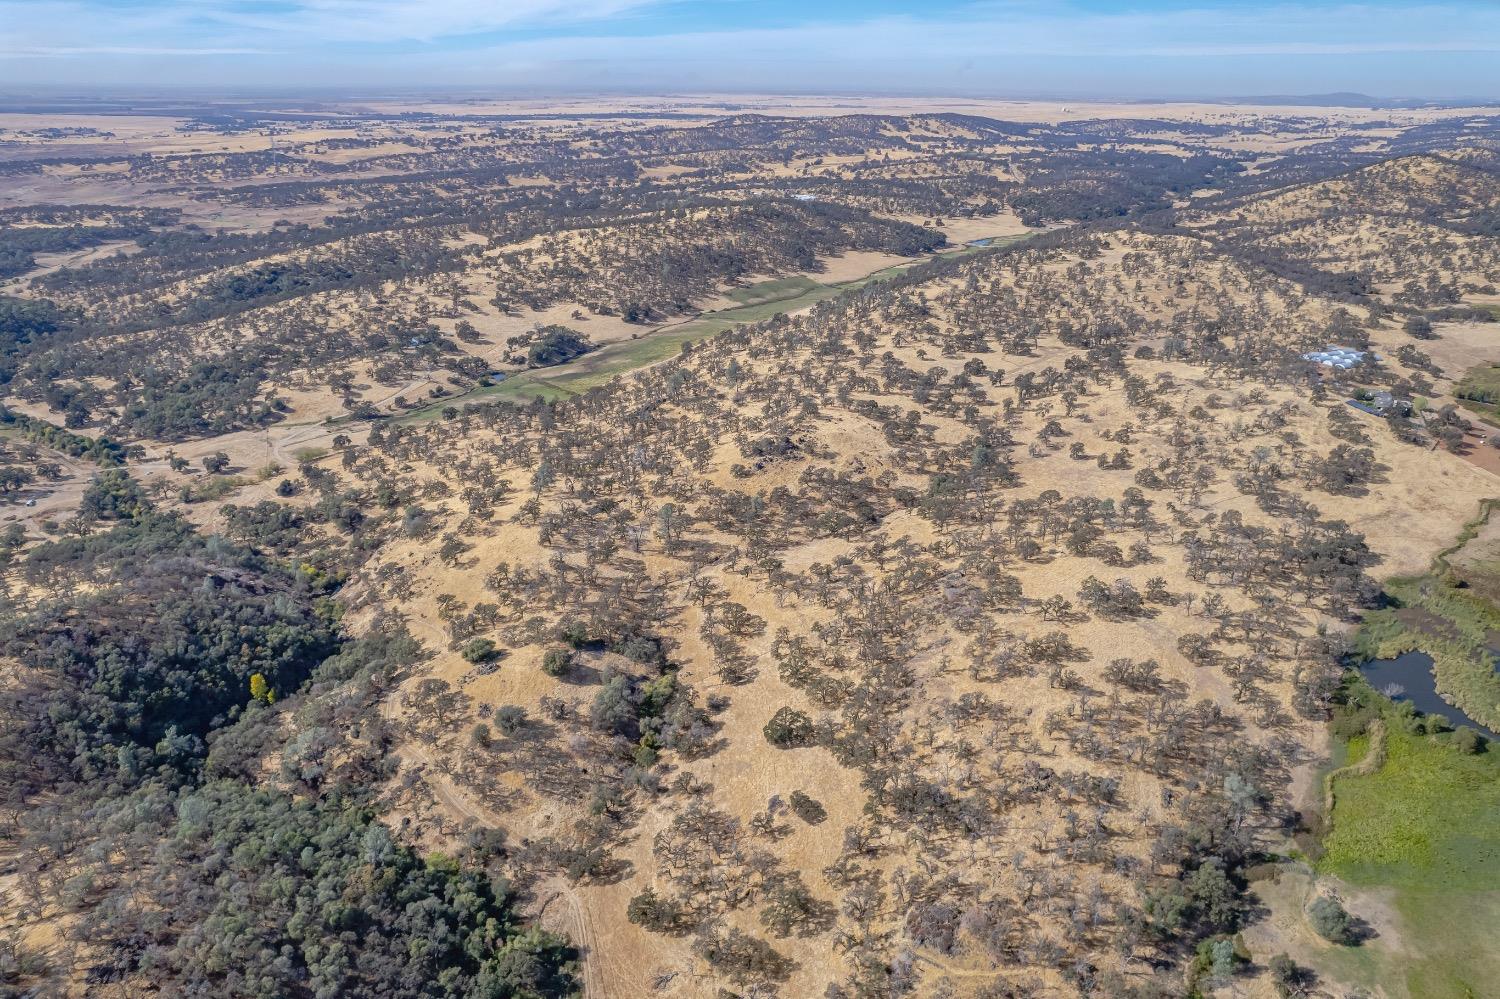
[(658, 551)]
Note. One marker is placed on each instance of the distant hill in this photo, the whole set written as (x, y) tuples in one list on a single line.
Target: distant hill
[(1345, 99)]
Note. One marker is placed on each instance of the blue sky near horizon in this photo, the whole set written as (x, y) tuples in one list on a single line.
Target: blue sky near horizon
[(1106, 48)]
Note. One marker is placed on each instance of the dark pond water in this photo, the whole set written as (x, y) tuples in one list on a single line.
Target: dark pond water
[(1412, 674)]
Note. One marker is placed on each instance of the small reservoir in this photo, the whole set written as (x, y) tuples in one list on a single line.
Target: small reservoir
[(1411, 672)]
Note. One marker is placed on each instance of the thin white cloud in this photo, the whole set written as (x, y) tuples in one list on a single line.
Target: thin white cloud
[(56, 51), (1025, 48), (385, 21), (1284, 30), (223, 25), (574, 42)]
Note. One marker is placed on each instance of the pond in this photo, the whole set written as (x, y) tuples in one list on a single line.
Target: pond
[(1409, 677)]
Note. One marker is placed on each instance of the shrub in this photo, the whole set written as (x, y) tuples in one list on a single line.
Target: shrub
[(789, 729), (557, 662), (114, 495), (1351, 720), (742, 958), (1288, 979), (639, 649), (1216, 960), (575, 633), (1467, 741), (1419, 327), (481, 650), (791, 908), (654, 912), (807, 808), (1213, 895), (510, 718), (1330, 920), (557, 345), (614, 708)]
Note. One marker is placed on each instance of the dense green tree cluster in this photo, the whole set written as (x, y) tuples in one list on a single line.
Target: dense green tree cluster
[(152, 689), (1103, 183), (556, 345), (271, 894), (101, 450), (209, 397), (134, 673), (24, 323)]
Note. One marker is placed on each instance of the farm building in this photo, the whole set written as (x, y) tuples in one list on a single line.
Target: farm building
[(1342, 358)]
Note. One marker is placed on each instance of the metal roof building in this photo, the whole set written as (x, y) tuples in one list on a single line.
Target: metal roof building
[(1342, 358)]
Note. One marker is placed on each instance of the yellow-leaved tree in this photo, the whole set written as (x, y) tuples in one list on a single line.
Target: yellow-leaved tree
[(260, 689)]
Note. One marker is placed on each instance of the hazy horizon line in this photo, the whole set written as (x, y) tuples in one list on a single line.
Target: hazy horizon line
[(355, 92)]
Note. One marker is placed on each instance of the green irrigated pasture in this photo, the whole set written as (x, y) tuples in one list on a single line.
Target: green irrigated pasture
[(1450, 613), (1426, 824), (777, 290), (1428, 819), (1479, 389)]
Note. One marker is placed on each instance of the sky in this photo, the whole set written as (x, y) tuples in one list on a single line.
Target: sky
[(1022, 48)]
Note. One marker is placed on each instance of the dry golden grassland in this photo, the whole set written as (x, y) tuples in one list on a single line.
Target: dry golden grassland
[(1052, 547), (1236, 425)]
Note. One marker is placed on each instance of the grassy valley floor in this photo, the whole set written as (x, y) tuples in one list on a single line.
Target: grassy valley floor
[(760, 302), (1421, 832)]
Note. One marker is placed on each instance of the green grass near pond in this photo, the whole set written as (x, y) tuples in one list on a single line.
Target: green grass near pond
[(1454, 944), (613, 360), (1428, 819), (1478, 390), (1437, 948), (1425, 826), (1420, 831), (1486, 412), (1423, 832)]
